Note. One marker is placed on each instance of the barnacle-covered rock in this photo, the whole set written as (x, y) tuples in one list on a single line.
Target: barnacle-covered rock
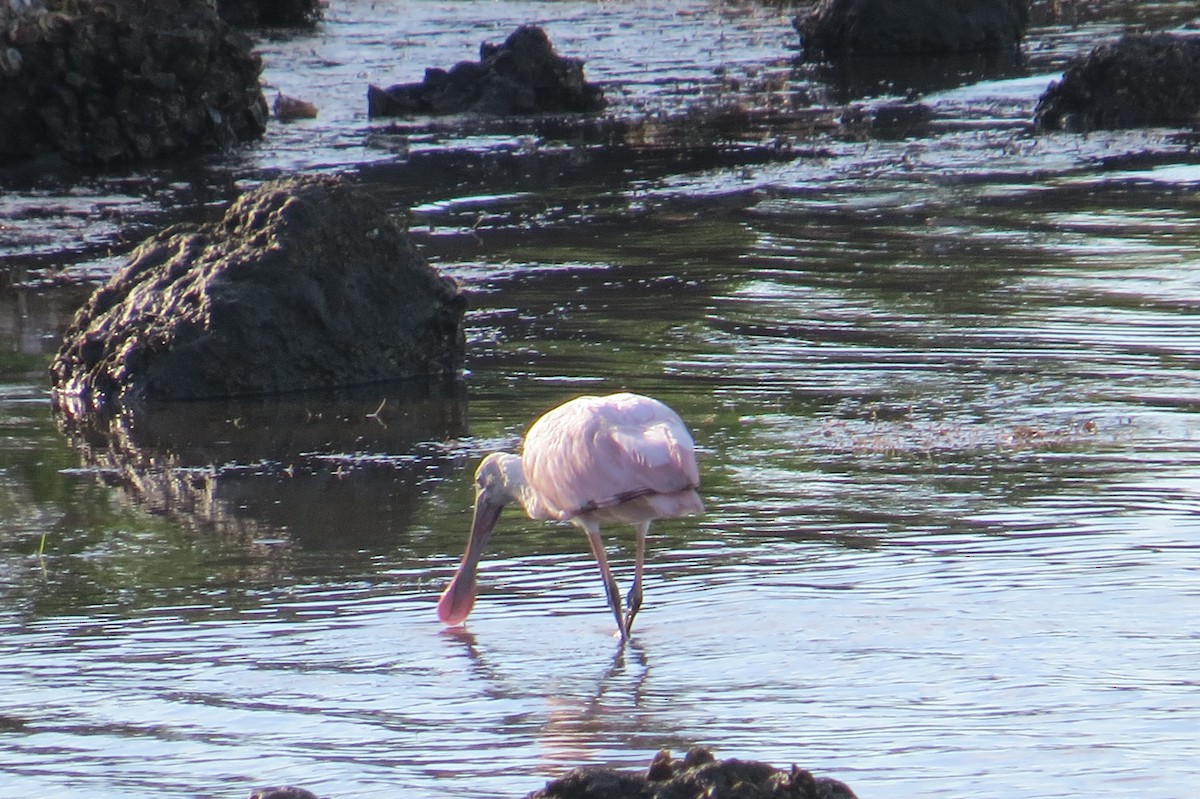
[(306, 283)]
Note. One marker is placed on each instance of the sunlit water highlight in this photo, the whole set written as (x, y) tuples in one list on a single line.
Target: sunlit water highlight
[(944, 390)]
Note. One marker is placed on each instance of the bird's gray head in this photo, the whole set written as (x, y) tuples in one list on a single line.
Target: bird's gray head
[(500, 478)]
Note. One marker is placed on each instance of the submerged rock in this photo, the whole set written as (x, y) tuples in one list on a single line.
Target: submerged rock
[(123, 80), (699, 775), (1137, 81), (305, 283), (889, 120), (908, 27), (522, 76)]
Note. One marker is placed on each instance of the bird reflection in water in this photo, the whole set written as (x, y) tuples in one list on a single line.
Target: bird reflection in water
[(579, 713)]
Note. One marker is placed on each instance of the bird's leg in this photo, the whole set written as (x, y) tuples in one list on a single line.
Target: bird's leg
[(634, 600), (610, 583)]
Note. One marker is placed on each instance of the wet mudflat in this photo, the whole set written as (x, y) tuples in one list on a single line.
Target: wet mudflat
[(944, 386)]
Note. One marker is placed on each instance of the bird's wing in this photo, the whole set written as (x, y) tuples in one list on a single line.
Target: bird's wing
[(597, 452)]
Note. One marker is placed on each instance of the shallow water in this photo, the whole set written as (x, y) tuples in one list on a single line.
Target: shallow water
[(944, 389)]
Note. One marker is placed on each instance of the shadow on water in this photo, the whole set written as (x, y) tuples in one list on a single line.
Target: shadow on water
[(329, 470)]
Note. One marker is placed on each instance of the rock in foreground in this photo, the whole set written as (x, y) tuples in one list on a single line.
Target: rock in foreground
[(284, 792), (699, 775), (1136, 81), (124, 81), (522, 76), (305, 283), (911, 27)]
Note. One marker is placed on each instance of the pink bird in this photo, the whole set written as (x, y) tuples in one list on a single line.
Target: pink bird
[(621, 458)]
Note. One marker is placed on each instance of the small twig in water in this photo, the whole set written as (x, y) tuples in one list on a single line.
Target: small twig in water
[(376, 415), (41, 551)]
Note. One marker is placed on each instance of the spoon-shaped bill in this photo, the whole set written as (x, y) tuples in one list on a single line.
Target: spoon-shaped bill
[(457, 600)]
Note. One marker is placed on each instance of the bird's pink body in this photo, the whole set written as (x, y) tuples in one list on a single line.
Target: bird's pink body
[(597, 454), (621, 458)]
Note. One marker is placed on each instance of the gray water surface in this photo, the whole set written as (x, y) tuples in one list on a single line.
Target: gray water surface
[(944, 389)]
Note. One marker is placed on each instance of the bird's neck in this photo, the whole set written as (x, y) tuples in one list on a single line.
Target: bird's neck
[(517, 489)]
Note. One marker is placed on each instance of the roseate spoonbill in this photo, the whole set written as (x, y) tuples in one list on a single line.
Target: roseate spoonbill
[(620, 458)]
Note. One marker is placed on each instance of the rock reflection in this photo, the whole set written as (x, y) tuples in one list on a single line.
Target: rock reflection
[(253, 467), (860, 77)]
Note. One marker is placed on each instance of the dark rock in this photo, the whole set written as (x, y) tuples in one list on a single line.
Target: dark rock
[(1138, 81), (909, 27), (698, 776), (124, 81), (305, 283), (522, 76), (285, 792), (270, 12)]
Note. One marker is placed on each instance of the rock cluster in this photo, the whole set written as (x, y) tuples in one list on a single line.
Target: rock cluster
[(699, 775), (909, 27), (524, 75), (1139, 80), (305, 283), (124, 80)]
